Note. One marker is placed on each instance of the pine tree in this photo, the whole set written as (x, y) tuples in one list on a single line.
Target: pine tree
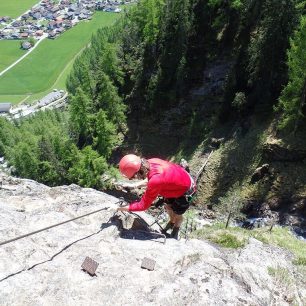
[(106, 135), (109, 100), (293, 97), (266, 68), (80, 76), (81, 118), (172, 62), (88, 168), (24, 159)]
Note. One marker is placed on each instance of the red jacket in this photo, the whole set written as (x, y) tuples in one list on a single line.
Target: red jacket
[(165, 179)]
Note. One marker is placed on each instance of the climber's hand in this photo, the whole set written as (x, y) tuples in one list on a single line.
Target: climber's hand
[(124, 208)]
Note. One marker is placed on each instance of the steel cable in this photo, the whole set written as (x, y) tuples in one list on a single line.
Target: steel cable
[(54, 225)]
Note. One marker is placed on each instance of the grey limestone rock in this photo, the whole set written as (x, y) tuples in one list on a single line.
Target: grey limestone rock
[(45, 268)]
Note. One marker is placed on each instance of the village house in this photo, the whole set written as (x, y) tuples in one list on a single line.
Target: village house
[(37, 16), (91, 6), (49, 16), (82, 16), (24, 35), (52, 34), (38, 26), (51, 25), (70, 15), (5, 107), (15, 35), (117, 10), (55, 9), (61, 14), (5, 19), (59, 18), (55, 15), (51, 97), (85, 12), (59, 23), (26, 45), (60, 30), (39, 33), (65, 2), (67, 24), (29, 24), (100, 6), (17, 24), (72, 8)]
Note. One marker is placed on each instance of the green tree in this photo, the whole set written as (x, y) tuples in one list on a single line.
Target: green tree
[(259, 71), (81, 117), (95, 88), (108, 99), (239, 104), (266, 68), (106, 135), (88, 168), (7, 135), (47, 173), (80, 76), (32, 41), (293, 98), (24, 159), (301, 6), (152, 20), (172, 62)]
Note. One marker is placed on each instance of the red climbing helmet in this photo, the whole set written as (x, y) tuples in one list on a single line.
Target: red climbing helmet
[(129, 165)]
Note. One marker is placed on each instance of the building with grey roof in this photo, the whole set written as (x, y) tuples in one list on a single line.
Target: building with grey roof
[(5, 107)]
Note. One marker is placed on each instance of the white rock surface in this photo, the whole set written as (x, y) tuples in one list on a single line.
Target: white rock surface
[(45, 269)]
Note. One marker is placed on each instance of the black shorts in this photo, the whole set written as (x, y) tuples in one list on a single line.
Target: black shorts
[(178, 205)]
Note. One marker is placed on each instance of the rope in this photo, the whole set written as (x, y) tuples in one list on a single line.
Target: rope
[(54, 225), (204, 165)]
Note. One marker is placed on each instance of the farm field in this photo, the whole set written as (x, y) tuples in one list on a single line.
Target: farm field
[(60, 83), (14, 8), (10, 51), (49, 64)]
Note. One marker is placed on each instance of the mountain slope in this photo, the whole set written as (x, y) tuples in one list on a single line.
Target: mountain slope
[(45, 269)]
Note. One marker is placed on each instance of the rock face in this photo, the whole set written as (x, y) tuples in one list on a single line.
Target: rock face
[(259, 173), (45, 268), (278, 152)]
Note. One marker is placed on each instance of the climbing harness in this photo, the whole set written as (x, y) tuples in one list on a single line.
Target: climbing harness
[(190, 193)]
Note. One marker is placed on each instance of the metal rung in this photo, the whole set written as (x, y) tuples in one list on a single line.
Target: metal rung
[(148, 264), (90, 266)]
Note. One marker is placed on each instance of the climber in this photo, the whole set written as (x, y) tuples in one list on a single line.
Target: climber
[(166, 179)]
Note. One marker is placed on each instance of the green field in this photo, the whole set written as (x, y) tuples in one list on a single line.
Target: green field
[(14, 8), (60, 83), (49, 64), (10, 51)]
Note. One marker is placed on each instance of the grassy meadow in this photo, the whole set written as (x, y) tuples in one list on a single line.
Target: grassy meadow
[(48, 66), (10, 51), (14, 8)]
